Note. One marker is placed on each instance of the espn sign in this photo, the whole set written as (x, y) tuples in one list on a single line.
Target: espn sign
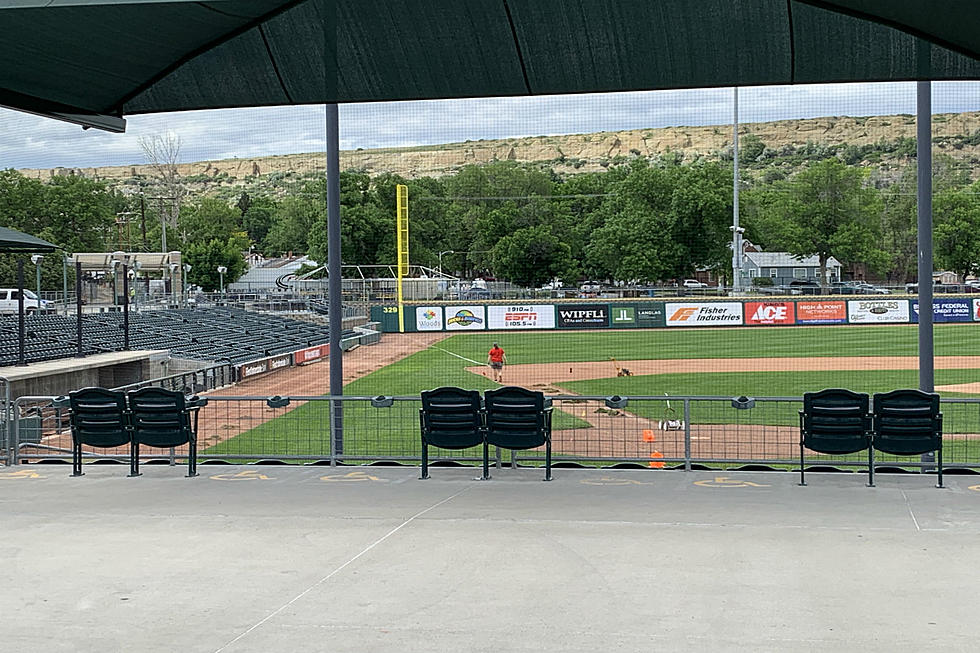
[(310, 354), (704, 314), (770, 313), (526, 316)]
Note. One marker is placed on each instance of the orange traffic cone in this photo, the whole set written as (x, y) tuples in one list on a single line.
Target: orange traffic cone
[(656, 463), (649, 436)]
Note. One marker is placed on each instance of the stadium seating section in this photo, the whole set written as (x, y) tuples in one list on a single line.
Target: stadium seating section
[(205, 334)]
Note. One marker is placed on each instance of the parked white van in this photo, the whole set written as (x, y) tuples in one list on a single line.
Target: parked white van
[(9, 297)]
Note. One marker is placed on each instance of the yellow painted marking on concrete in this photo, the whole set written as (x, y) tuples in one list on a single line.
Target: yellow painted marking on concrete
[(975, 488), (247, 475), (352, 477), (605, 480), (724, 481), (22, 473)]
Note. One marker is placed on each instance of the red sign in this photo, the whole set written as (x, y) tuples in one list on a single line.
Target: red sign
[(816, 312), (311, 354), (769, 313)]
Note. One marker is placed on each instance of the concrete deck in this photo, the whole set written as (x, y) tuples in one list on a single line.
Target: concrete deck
[(372, 559)]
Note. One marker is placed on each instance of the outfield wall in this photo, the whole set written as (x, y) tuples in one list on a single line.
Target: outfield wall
[(638, 314)]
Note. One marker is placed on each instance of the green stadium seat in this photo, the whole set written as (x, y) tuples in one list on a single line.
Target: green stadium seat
[(908, 422), (451, 418), (518, 418), (835, 421)]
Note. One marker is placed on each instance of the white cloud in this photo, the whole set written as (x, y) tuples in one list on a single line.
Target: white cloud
[(32, 142)]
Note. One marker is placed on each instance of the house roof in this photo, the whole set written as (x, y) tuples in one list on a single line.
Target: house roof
[(787, 260)]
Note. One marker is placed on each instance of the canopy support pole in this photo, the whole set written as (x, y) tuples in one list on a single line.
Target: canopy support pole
[(334, 287), (21, 359), (924, 165), (923, 154)]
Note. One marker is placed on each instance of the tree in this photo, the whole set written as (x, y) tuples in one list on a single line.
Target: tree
[(162, 154), (957, 230), (827, 210), (204, 258), (531, 257), (664, 222)]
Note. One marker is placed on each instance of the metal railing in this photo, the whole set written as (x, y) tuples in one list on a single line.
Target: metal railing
[(205, 379), (683, 432)]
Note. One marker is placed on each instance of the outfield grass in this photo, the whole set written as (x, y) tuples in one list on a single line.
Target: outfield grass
[(754, 342), (376, 432)]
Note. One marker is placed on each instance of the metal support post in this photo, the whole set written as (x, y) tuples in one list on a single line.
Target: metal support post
[(923, 133), (334, 285)]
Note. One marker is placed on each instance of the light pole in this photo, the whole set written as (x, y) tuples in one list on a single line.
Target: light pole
[(169, 293), (183, 283), (36, 260), (135, 271), (448, 251), (221, 274)]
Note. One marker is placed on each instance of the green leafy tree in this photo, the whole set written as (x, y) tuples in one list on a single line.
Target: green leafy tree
[(957, 230), (204, 258), (827, 210), (531, 257)]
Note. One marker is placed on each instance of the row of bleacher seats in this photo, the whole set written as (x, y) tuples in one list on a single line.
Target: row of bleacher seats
[(205, 334)]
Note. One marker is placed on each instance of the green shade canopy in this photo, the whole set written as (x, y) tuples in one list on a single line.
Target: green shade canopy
[(79, 59), (12, 240)]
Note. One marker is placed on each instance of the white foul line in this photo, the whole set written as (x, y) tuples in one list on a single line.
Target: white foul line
[(470, 360), (340, 568)]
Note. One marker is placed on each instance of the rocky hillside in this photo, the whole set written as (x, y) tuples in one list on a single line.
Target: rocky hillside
[(955, 134)]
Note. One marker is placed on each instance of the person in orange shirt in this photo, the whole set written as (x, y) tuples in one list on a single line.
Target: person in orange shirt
[(496, 359)]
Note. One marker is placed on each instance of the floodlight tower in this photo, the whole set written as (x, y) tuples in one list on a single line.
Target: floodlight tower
[(221, 274), (36, 260)]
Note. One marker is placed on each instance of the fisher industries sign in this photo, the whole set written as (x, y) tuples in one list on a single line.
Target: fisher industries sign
[(521, 316), (704, 314)]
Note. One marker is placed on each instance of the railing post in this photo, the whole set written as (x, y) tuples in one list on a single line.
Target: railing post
[(687, 435), (333, 449), (15, 434)]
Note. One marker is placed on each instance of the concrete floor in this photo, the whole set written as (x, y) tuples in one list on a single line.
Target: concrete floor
[(372, 559)]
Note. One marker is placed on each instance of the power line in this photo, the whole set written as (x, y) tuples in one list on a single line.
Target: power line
[(514, 197)]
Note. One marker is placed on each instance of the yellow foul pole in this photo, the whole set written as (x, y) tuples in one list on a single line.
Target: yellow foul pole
[(401, 223)]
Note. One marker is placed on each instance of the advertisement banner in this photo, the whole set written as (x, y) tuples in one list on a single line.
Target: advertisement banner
[(428, 318), (821, 313), (281, 361), (248, 370), (466, 318), (582, 316), (976, 310), (947, 310), (769, 313), (310, 354), (651, 314), (704, 314), (622, 316), (878, 311), (524, 316)]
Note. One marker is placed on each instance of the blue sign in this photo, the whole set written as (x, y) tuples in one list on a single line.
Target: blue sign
[(946, 310)]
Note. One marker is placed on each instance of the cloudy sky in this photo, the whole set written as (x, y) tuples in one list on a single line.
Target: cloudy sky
[(32, 142)]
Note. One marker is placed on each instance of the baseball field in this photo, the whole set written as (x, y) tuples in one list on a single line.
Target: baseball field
[(775, 362)]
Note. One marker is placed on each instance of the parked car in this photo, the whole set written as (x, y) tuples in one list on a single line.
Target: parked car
[(32, 303), (694, 283), (475, 294), (856, 288), (806, 286), (781, 290)]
